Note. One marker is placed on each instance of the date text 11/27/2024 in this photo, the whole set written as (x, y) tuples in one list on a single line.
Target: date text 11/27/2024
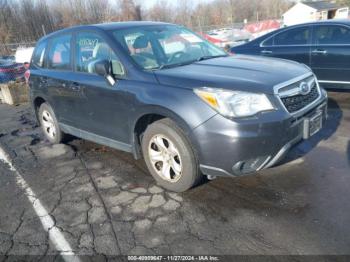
[(174, 258)]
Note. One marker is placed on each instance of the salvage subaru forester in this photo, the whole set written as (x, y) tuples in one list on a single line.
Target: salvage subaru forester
[(164, 93)]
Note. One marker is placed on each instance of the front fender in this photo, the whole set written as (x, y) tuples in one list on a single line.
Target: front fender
[(181, 105), (162, 111)]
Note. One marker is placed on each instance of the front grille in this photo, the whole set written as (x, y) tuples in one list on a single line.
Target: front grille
[(297, 102)]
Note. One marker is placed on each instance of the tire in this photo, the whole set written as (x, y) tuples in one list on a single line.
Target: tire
[(49, 124), (169, 156)]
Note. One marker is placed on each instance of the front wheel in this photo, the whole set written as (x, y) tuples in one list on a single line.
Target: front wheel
[(169, 156)]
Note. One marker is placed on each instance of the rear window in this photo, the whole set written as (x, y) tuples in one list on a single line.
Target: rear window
[(39, 55), (296, 36), (59, 54)]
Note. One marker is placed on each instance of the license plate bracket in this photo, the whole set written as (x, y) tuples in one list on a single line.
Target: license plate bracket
[(313, 124)]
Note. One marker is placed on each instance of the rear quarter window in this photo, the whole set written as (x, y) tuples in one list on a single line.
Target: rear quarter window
[(38, 58), (295, 36), (268, 42)]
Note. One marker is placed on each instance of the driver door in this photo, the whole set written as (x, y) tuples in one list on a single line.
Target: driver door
[(103, 110)]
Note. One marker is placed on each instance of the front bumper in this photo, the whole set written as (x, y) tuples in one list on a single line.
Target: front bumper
[(235, 148)]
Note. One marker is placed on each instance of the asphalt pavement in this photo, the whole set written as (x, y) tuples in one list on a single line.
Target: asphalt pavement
[(88, 199)]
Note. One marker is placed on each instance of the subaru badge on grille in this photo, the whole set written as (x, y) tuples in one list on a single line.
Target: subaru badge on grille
[(304, 88)]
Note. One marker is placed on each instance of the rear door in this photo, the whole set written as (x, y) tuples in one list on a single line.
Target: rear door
[(330, 55), (292, 44), (65, 99)]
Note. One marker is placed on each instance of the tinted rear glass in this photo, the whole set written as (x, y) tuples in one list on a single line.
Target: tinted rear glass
[(268, 42), (39, 54), (59, 54), (297, 36)]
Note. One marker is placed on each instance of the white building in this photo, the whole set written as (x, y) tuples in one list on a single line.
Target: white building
[(303, 12)]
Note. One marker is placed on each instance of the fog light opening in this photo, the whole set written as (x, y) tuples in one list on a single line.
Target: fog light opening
[(250, 165)]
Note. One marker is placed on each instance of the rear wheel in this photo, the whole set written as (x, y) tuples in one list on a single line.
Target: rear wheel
[(49, 124), (169, 156)]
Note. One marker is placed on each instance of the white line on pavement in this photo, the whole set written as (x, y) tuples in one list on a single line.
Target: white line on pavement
[(55, 235)]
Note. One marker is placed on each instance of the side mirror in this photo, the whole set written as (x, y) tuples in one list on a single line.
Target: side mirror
[(118, 69), (102, 68)]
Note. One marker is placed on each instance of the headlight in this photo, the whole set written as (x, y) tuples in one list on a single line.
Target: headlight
[(234, 103)]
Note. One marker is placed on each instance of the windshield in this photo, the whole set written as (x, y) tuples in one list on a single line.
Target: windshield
[(157, 47)]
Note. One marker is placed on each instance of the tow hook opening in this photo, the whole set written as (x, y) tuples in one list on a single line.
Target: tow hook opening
[(211, 177)]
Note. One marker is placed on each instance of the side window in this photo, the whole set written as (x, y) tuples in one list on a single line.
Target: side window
[(331, 35), (39, 55), (268, 42), (59, 54), (90, 48), (297, 36)]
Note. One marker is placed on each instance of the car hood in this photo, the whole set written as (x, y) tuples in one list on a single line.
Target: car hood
[(238, 72)]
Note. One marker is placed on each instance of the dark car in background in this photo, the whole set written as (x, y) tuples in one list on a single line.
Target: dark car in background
[(11, 58), (324, 46), (163, 93), (11, 71)]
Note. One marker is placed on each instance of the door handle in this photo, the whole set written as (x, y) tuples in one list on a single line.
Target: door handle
[(319, 52), (75, 86), (266, 52), (43, 80)]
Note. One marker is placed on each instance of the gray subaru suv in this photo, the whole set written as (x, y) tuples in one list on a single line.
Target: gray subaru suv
[(163, 93)]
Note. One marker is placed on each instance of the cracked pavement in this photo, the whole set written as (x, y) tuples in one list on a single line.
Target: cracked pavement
[(106, 203)]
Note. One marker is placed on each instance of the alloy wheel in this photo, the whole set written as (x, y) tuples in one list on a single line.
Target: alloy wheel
[(48, 124), (165, 158)]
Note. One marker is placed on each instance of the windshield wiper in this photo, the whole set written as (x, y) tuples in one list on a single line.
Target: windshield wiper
[(210, 57), (163, 66)]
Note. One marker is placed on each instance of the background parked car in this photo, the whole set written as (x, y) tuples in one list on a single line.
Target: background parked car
[(8, 58), (11, 71), (229, 36), (261, 28), (324, 46)]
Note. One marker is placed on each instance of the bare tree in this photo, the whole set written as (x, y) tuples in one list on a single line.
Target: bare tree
[(162, 10), (129, 10), (28, 20), (343, 2)]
